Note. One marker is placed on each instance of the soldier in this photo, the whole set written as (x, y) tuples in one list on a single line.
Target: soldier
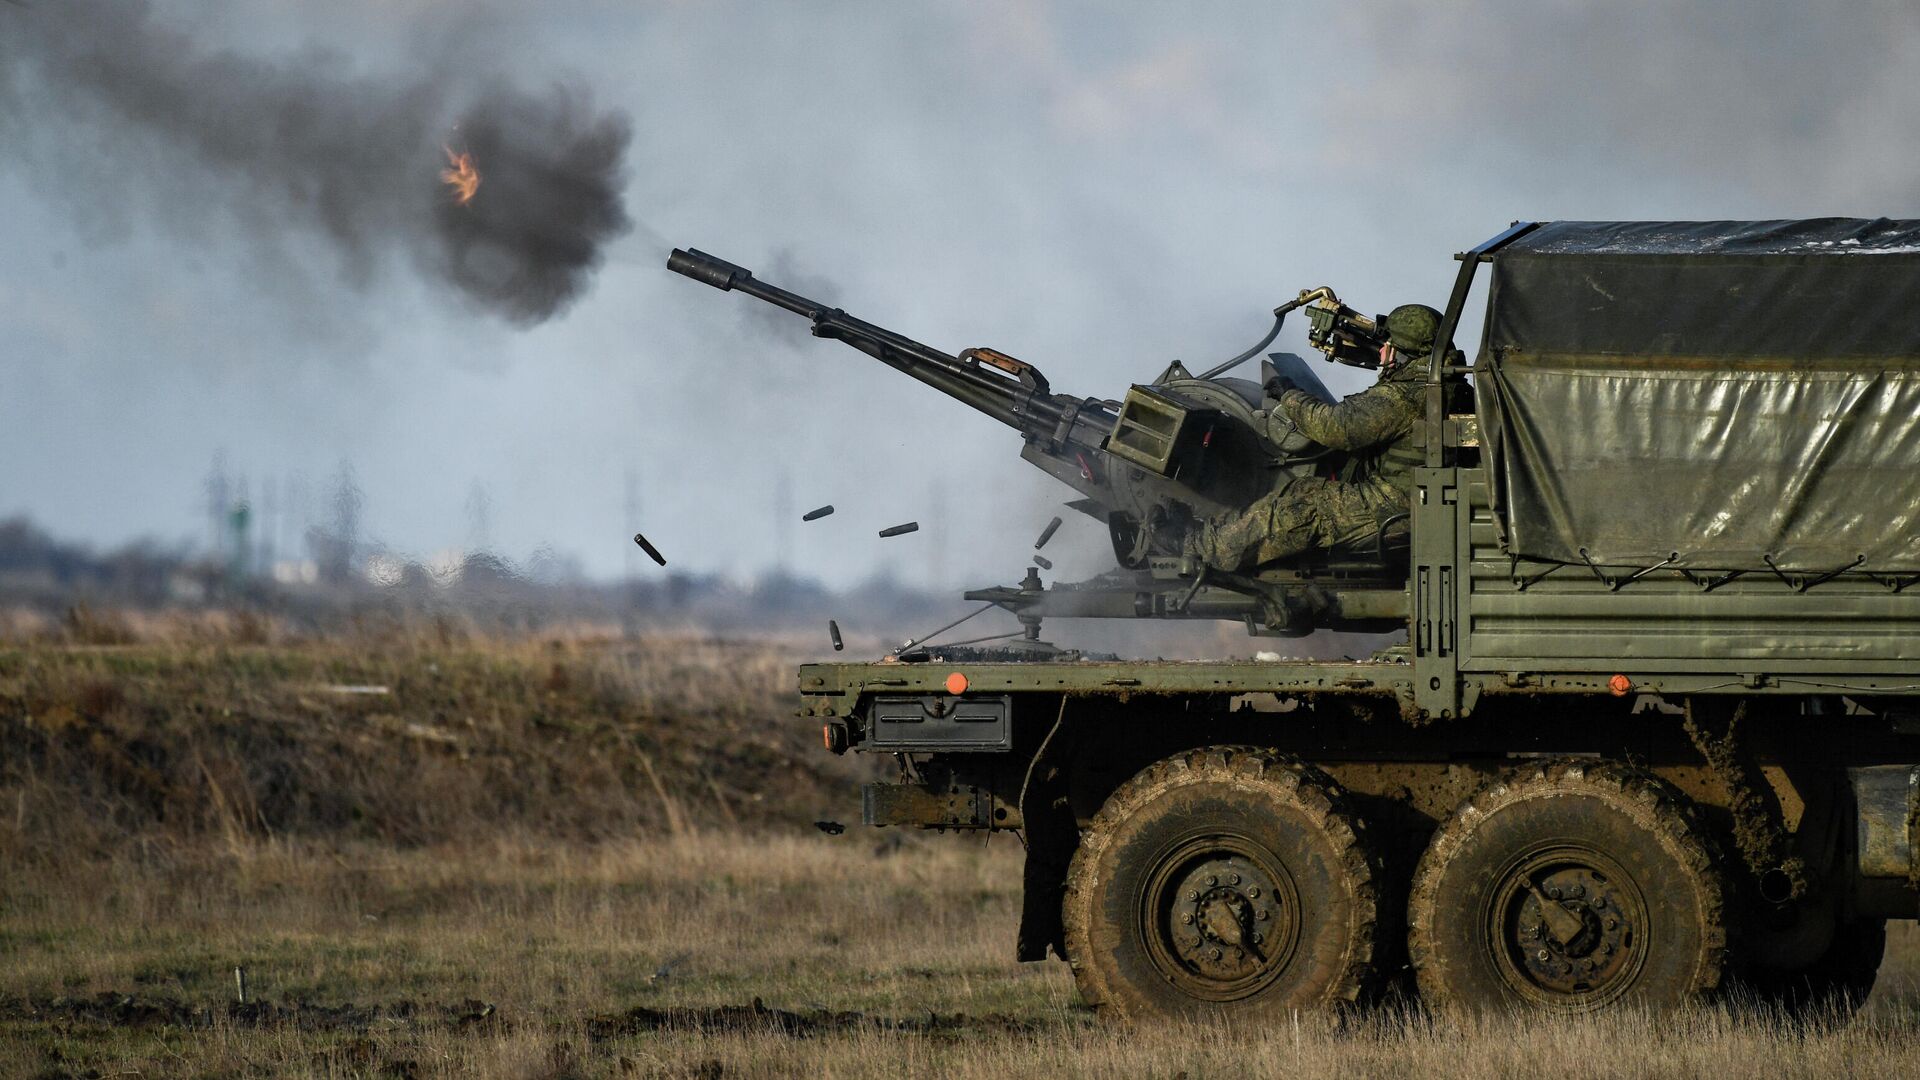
[(1375, 427)]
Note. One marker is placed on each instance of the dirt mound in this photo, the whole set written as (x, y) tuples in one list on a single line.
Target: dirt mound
[(403, 742)]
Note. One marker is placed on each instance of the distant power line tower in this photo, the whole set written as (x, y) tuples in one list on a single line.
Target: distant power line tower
[(937, 577), (630, 553), (267, 544), (218, 493), (298, 517), (630, 508), (479, 519), (240, 528), (337, 545), (782, 524)]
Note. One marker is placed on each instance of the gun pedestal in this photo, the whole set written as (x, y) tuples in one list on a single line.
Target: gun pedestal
[(1029, 616)]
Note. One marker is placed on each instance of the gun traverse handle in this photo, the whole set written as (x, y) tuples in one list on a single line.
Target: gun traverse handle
[(703, 267)]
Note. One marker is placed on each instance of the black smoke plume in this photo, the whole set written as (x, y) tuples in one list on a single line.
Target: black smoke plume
[(116, 111)]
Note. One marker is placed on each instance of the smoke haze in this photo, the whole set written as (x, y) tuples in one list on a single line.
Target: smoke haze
[(117, 108), (1095, 188)]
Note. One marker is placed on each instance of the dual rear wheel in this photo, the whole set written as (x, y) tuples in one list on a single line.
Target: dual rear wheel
[(1569, 888), (1234, 881)]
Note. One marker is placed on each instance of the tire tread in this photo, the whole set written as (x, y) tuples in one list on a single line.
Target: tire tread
[(1292, 780), (1671, 815)]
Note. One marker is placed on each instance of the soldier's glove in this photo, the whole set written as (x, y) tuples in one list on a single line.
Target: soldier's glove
[(1278, 386)]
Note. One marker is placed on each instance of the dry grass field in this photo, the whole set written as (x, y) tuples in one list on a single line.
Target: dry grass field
[(587, 857)]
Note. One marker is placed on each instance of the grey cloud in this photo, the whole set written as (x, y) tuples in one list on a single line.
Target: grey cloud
[(1097, 189), (1781, 106)]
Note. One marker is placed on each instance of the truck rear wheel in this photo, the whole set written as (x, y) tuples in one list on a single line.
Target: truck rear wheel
[(1223, 881), (1570, 888)]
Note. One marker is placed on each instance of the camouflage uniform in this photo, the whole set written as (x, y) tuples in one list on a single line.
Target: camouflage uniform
[(1375, 427)]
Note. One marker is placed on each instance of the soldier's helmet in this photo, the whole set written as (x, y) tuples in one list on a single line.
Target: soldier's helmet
[(1411, 328)]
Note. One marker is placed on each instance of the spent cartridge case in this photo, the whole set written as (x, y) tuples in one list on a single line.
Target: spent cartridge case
[(652, 552), (1046, 534)]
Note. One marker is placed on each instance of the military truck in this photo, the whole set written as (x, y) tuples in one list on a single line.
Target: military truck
[(1650, 732)]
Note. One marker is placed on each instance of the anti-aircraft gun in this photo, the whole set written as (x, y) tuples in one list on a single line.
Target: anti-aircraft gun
[(1655, 727), (1150, 466)]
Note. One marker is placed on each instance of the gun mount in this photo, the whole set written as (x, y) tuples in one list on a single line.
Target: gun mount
[(1148, 466)]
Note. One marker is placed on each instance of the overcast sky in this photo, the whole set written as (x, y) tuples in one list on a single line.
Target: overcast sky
[(1095, 188)]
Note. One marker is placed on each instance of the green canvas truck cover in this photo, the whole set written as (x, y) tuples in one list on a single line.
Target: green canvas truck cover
[(1720, 394)]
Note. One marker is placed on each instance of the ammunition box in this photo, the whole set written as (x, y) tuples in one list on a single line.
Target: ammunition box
[(1160, 432)]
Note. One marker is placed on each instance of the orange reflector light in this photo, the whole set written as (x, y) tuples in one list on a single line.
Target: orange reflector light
[(826, 735), (956, 683), (1619, 684)]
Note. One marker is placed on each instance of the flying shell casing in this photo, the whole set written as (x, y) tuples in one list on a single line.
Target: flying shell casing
[(818, 513), (833, 631), (900, 530), (1043, 562), (1046, 534), (652, 552)]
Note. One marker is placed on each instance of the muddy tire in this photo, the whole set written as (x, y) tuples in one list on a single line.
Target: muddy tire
[(1832, 988), (1224, 882), (1571, 887)]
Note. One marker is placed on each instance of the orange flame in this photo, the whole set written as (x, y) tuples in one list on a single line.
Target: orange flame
[(461, 176)]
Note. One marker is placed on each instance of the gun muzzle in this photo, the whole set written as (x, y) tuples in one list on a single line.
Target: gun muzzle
[(701, 266)]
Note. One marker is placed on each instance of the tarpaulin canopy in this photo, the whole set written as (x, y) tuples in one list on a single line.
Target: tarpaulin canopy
[(1718, 393)]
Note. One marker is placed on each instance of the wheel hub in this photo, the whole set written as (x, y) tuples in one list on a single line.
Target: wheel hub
[(1571, 928), (1226, 919)]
